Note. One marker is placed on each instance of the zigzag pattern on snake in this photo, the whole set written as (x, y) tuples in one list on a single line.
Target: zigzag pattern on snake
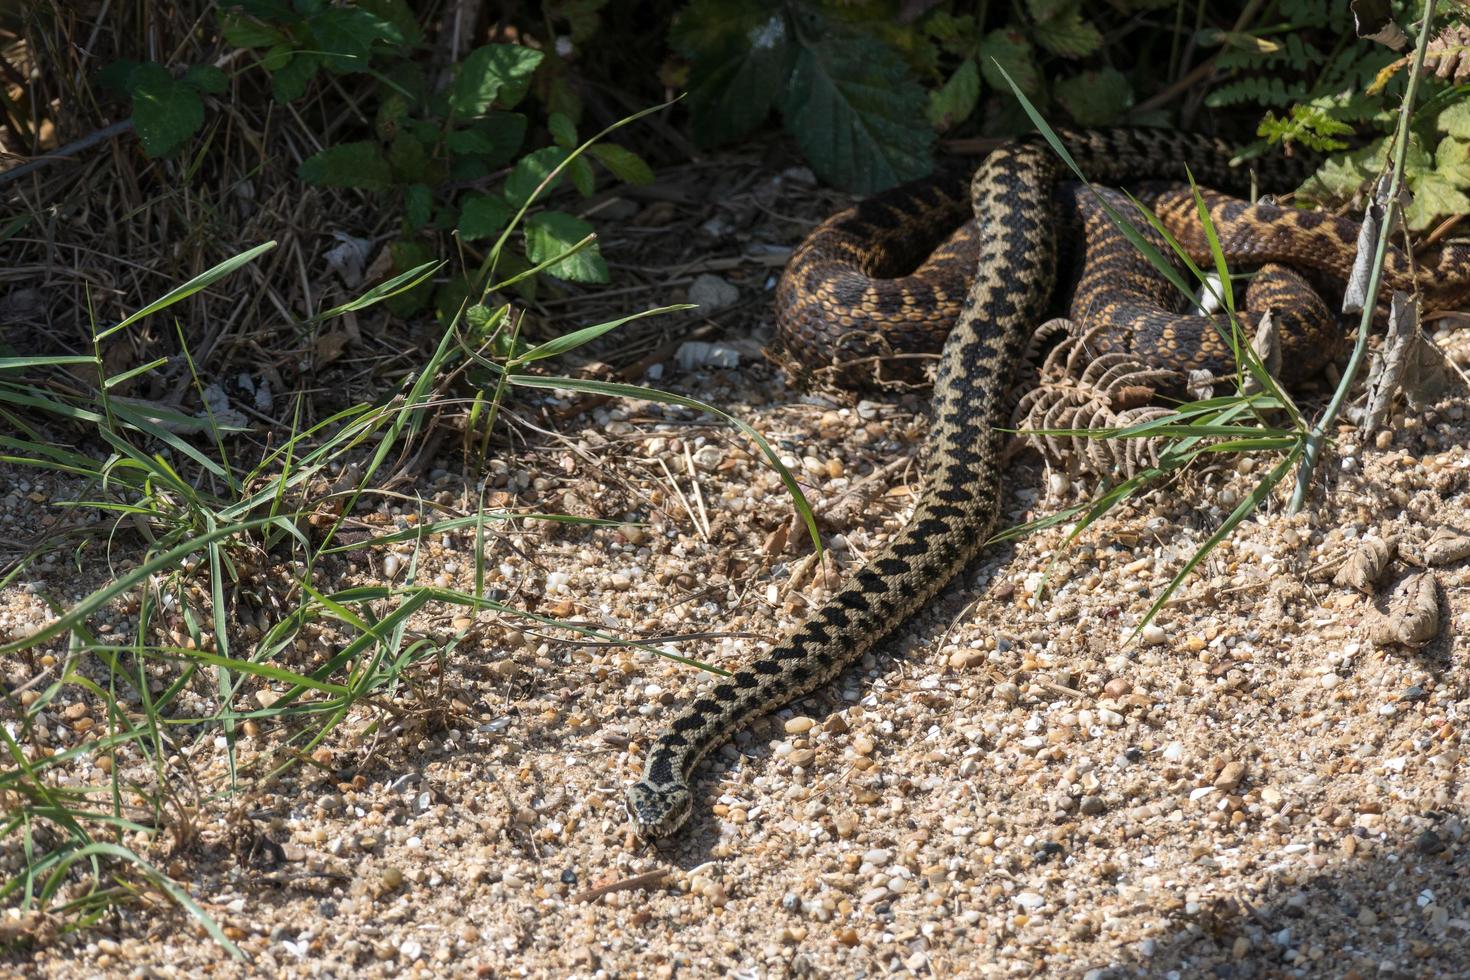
[(987, 294)]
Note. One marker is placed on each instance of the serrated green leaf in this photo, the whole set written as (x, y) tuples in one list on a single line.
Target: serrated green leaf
[(345, 37), (1068, 34), (563, 130), (359, 165), (1095, 97), (857, 114), (625, 165), (400, 15), (290, 81), (243, 32), (1434, 197), (955, 100), (483, 216), (207, 78), (579, 172), (530, 170), (1009, 48), (1452, 161), (1455, 119), (165, 112), (742, 53), (550, 233), (418, 205), (497, 137), (277, 57), (494, 73), (409, 159)]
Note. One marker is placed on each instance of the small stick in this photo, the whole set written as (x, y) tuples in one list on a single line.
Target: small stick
[(682, 499), (698, 494), (70, 149), (646, 880)]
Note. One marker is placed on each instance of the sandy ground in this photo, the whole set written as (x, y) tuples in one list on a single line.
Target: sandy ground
[(1258, 787)]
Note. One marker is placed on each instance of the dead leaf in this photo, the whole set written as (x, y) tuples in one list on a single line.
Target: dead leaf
[(1446, 545), (1412, 617), (1366, 564)]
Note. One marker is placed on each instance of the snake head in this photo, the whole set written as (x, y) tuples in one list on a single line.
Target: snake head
[(657, 811)]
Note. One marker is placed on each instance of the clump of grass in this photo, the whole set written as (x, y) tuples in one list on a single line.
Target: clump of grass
[(210, 525), (1259, 417)]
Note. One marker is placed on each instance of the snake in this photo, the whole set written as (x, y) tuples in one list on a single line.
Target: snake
[(892, 273)]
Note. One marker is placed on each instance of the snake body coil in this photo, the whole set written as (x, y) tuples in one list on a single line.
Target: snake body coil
[(1011, 266)]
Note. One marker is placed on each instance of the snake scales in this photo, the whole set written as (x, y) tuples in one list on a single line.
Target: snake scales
[(984, 288)]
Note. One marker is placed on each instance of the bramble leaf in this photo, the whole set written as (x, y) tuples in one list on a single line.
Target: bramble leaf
[(1095, 97), (498, 73), (483, 216), (530, 170), (857, 113), (550, 233), (345, 36), (954, 102), (496, 137), (742, 53), (165, 112), (1009, 48), (1068, 35), (360, 165), (625, 165)]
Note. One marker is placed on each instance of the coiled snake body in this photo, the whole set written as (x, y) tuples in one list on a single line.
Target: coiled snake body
[(834, 286)]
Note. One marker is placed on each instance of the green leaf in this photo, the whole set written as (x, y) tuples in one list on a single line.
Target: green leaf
[(483, 216), (551, 233), (243, 32), (206, 78), (1009, 49), (1068, 35), (493, 73), (409, 159), (165, 112), (496, 138), (1455, 120), (742, 53), (289, 83), (580, 173), (348, 165), (277, 57), (1452, 161), (530, 170), (399, 14), (1095, 97), (625, 165), (562, 129), (1435, 196), (418, 204), (956, 99), (858, 114), (1047, 9), (346, 36)]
